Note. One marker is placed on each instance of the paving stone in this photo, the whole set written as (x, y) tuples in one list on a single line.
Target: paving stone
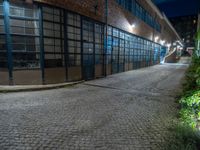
[(126, 111)]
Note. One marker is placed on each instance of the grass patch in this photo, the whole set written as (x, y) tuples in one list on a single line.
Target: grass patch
[(184, 138)]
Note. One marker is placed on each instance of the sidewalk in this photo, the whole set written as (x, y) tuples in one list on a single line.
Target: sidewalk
[(22, 88), (185, 60)]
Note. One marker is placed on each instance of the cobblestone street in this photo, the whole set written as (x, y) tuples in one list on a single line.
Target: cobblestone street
[(126, 111)]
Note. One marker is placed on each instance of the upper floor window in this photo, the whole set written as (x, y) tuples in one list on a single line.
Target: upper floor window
[(135, 8)]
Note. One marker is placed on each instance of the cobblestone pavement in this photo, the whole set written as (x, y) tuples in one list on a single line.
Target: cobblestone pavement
[(127, 111)]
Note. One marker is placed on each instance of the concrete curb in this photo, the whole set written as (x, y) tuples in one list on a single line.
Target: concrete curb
[(25, 88)]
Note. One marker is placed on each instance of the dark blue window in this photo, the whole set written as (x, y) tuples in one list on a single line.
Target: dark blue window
[(136, 9)]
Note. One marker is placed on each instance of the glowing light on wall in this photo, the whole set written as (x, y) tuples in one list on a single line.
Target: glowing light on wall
[(156, 38), (168, 45), (133, 25), (162, 42)]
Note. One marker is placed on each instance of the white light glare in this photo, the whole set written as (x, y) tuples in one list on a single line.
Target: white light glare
[(168, 45), (156, 38), (162, 42), (133, 25)]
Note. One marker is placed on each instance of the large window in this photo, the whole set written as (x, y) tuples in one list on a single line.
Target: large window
[(53, 28), (109, 45), (69, 41), (121, 48), (115, 44), (156, 53), (88, 38), (74, 39), (131, 52), (127, 48), (98, 44), (3, 56), (24, 26)]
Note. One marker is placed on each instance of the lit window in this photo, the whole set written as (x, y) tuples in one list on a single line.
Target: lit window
[(24, 22), (53, 27)]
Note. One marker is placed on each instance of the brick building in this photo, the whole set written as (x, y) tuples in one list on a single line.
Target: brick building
[(186, 26), (51, 41)]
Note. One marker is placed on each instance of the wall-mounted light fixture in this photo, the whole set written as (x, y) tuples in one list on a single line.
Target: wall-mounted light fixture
[(162, 42), (168, 45), (133, 25), (156, 38), (174, 44)]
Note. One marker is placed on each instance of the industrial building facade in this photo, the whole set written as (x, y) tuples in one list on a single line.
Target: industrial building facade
[(47, 41)]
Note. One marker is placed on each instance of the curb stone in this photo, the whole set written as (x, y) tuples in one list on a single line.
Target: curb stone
[(26, 88)]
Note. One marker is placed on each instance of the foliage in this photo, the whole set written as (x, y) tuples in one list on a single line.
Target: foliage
[(193, 75), (197, 42), (188, 131), (190, 109), (191, 100), (187, 117), (184, 138)]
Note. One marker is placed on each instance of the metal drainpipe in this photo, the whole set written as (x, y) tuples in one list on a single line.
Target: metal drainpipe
[(6, 7), (153, 37), (106, 42), (42, 57)]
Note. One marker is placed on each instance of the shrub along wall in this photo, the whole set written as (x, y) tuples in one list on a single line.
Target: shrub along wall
[(190, 103)]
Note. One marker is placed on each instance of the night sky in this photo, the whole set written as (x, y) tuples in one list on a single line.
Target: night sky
[(173, 8)]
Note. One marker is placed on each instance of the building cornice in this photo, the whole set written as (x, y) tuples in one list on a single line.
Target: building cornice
[(171, 26), (163, 17)]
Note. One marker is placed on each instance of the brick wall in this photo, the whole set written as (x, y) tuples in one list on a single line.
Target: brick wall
[(84, 7), (117, 16)]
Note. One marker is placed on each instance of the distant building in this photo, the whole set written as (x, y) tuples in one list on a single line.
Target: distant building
[(186, 26)]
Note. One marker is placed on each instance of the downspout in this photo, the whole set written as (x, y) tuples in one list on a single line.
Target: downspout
[(106, 40), (153, 36), (6, 11)]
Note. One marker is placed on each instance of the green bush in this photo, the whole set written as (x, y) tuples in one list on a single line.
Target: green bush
[(188, 133), (184, 138), (193, 75), (187, 117), (190, 101)]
